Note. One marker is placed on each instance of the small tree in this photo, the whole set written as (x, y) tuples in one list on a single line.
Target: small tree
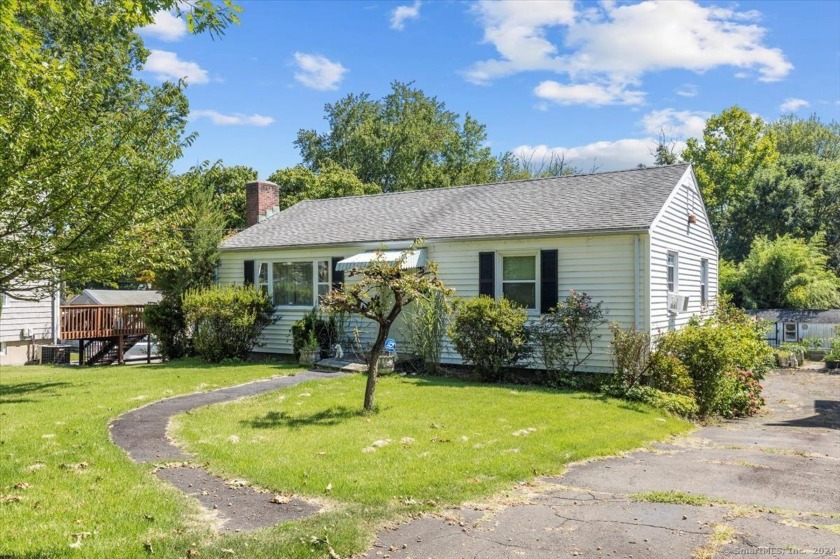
[(382, 291)]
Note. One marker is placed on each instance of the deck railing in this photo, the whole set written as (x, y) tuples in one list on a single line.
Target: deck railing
[(82, 322)]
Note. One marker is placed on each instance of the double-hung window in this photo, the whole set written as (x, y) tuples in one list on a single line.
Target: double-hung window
[(673, 272), (519, 279), (704, 281), (295, 284)]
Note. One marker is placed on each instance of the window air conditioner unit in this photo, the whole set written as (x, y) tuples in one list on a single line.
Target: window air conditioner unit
[(678, 303)]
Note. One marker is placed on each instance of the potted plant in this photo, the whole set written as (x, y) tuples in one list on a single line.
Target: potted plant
[(387, 361), (310, 353), (832, 358)]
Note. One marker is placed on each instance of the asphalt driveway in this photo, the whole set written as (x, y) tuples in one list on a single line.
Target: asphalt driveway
[(764, 486)]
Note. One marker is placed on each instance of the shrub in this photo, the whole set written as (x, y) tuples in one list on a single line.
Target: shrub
[(636, 364), (166, 323), (677, 404), (631, 356), (425, 328), (711, 347), (669, 374), (834, 353), (226, 321), (740, 394), (489, 334), (324, 330), (565, 335)]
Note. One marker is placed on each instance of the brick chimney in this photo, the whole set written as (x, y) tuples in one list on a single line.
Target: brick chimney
[(262, 198)]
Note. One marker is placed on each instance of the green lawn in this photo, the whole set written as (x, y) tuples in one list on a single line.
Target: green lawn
[(55, 418), (434, 443), (450, 441)]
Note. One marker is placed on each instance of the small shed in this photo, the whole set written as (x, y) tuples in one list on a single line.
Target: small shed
[(116, 297), (795, 325)]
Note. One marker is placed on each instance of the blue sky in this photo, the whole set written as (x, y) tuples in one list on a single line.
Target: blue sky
[(593, 81)]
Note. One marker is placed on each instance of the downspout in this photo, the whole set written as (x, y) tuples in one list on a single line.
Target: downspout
[(56, 300), (637, 287)]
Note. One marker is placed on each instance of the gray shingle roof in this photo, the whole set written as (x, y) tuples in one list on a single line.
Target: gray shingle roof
[(614, 201), (828, 316), (116, 297)]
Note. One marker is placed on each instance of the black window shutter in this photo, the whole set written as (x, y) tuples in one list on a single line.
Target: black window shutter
[(249, 272), (487, 273), (548, 280), (337, 275)]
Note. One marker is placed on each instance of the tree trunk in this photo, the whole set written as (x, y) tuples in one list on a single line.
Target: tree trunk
[(373, 364)]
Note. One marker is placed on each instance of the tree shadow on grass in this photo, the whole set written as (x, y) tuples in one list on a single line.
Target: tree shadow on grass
[(10, 393), (324, 418)]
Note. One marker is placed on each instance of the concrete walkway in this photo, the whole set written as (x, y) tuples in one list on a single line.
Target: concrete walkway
[(231, 504), (779, 474)]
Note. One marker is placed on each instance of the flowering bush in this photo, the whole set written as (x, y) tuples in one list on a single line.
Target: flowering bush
[(565, 335), (740, 394)]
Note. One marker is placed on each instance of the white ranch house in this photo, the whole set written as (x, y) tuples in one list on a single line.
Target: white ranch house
[(638, 240)]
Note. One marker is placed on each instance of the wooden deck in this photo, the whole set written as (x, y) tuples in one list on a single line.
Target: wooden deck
[(85, 322)]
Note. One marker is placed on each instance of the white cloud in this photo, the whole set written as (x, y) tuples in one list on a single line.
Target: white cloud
[(235, 119), (518, 31), (620, 43), (402, 13), (688, 90), (674, 123), (615, 155), (166, 65), (587, 94), (166, 27), (792, 104), (318, 72)]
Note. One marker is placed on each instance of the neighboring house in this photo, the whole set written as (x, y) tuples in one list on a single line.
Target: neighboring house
[(26, 325), (793, 325), (638, 240), (115, 297)]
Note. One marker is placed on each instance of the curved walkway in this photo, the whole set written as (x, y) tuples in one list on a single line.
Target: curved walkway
[(235, 507)]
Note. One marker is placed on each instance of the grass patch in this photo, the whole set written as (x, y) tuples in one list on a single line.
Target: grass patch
[(672, 497), (67, 491), (61, 479), (433, 443)]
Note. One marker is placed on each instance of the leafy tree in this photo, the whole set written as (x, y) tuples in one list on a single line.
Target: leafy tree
[(404, 141), (797, 136), (85, 146), (300, 183), (228, 187), (785, 273), (192, 238), (735, 146), (383, 289)]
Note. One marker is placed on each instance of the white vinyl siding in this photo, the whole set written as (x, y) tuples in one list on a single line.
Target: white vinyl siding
[(278, 337), (601, 265), (672, 232), (26, 318)]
